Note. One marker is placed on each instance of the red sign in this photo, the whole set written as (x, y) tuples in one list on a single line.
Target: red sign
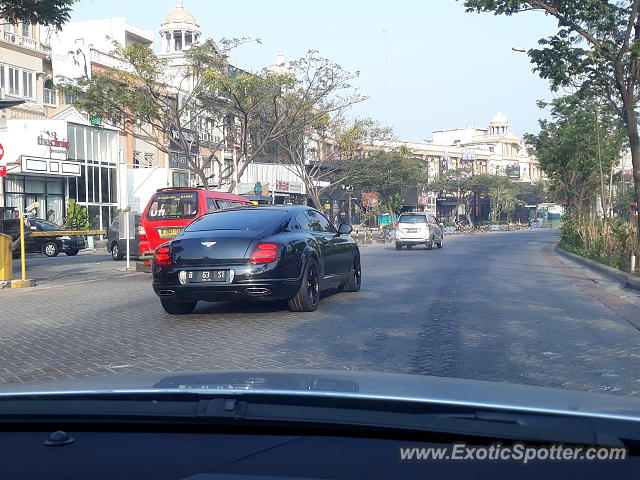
[(370, 200), (1, 151)]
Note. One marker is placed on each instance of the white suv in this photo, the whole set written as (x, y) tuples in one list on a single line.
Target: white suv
[(416, 228)]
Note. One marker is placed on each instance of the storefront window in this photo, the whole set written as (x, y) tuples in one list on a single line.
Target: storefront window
[(82, 185), (94, 217), (71, 137), (45, 194), (104, 186), (80, 144), (73, 188), (113, 185), (90, 196)]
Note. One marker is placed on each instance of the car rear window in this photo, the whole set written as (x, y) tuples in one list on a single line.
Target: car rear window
[(251, 219), (412, 219), (171, 205)]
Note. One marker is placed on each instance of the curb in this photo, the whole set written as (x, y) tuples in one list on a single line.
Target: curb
[(627, 280)]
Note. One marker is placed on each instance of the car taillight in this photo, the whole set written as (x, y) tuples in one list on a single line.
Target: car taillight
[(162, 257), (142, 233), (264, 253)]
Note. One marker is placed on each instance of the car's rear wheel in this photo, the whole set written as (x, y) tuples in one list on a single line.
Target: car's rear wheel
[(409, 247), (50, 249), (173, 307), (308, 296), (441, 242), (355, 277), (72, 253), (116, 253), (398, 246), (430, 244)]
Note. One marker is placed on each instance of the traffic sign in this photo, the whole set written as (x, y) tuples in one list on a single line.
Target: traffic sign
[(1, 151), (3, 170)]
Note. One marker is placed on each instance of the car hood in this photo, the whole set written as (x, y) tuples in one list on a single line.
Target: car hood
[(410, 388)]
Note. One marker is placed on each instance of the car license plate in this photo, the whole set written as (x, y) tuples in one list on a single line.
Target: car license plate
[(412, 230), (169, 232), (208, 276)]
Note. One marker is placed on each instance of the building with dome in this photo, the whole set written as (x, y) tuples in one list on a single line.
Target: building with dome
[(505, 151), (178, 31), (495, 150)]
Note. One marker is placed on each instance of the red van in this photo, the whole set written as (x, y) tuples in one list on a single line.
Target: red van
[(171, 209)]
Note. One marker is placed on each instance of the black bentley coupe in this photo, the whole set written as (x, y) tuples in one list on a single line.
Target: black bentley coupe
[(256, 253)]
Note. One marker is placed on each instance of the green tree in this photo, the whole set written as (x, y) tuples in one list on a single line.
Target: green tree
[(53, 13), (395, 202), (385, 172), (577, 148), (76, 217), (595, 48), (322, 155), (275, 114), (459, 183), (149, 98)]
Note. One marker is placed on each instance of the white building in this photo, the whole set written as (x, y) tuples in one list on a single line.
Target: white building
[(504, 151)]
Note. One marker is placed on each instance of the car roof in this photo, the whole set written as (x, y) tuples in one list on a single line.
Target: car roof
[(218, 195)]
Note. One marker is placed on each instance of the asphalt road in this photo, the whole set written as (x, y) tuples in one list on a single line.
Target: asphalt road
[(499, 306)]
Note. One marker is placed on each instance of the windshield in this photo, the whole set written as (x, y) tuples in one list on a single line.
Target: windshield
[(443, 189), (173, 205)]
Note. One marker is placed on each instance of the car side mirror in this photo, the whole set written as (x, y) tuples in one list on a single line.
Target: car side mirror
[(344, 229)]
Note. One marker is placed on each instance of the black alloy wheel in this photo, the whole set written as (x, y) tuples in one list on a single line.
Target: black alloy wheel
[(308, 296)]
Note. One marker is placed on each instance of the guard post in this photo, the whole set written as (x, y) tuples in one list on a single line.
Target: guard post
[(6, 258)]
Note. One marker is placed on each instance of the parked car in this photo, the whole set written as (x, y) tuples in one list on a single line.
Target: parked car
[(418, 228), (117, 246), (171, 209), (256, 253), (50, 246)]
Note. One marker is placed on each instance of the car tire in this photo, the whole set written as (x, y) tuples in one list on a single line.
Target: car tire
[(355, 277), (71, 253), (441, 242), (308, 296), (409, 247), (50, 249), (116, 253), (429, 244), (174, 307), (398, 246)]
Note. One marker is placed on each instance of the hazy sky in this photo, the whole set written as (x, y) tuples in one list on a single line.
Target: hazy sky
[(446, 68)]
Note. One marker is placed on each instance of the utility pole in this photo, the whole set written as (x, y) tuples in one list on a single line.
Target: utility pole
[(386, 78)]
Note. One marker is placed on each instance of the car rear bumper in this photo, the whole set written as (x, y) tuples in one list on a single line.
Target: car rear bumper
[(262, 290), (413, 241), (249, 282)]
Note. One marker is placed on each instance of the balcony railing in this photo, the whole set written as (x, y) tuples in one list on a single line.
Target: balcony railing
[(25, 42)]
